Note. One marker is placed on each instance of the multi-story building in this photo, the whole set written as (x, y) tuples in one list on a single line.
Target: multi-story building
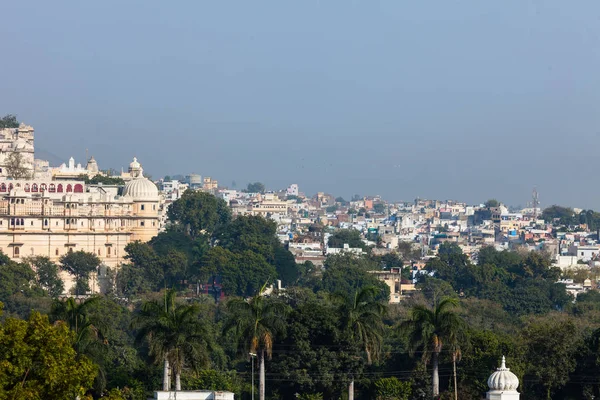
[(51, 218)]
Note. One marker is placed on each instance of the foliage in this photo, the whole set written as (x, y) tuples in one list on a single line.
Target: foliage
[(379, 208), (9, 121), (80, 264), (38, 361), (491, 203), (350, 237), (256, 187), (392, 389), (47, 274), (16, 166), (102, 179), (199, 212), (345, 273)]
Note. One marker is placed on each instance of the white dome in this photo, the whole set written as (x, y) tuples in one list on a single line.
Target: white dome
[(503, 379), (141, 189)]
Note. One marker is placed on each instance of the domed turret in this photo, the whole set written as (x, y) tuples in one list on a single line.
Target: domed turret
[(503, 379), (135, 168), (140, 187)]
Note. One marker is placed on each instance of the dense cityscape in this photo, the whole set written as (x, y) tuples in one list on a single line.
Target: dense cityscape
[(115, 285)]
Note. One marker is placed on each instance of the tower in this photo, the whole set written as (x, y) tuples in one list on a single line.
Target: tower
[(535, 203)]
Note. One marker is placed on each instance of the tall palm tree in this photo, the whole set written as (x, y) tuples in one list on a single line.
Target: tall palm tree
[(76, 316), (174, 334), (430, 329), (362, 319), (255, 322)]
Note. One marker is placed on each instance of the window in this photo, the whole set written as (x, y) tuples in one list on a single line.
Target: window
[(56, 223), (59, 188), (154, 206), (34, 187), (78, 188), (142, 223), (57, 251), (32, 251), (31, 223), (45, 222), (142, 208), (108, 251), (99, 253), (69, 188), (16, 252)]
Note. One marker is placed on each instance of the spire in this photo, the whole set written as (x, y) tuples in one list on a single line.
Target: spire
[(503, 366)]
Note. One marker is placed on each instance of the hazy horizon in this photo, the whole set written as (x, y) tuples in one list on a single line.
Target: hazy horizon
[(466, 100)]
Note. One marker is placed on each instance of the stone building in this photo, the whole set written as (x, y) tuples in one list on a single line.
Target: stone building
[(17, 140), (43, 217)]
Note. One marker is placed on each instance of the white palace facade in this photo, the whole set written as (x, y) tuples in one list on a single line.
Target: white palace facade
[(49, 216)]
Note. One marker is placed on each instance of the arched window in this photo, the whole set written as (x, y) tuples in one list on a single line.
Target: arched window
[(22, 222), (79, 188), (16, 251), (99, 253), (3, 187), (10, 186), (26, 188), (12, 221), (52, 188), (69, 188), (59, 188), (43, 187), (34, 187), (45, 222)]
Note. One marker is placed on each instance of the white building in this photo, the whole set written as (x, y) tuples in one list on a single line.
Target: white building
[(503, 384), (292, 190)]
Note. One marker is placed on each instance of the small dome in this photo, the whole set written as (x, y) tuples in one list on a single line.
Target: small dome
[(141, 189), (134, 164), (503, 379)]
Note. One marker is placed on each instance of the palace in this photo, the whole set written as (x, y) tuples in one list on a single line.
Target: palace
[(53, 213), (50, 218)]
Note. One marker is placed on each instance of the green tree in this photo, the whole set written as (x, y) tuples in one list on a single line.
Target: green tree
[(199, 212), (174, 334), (431, 329), (9, 121), (254, 324), (362, 319), (38, 361), (80, 264), (255, 187), (47, 275), (392, 389), (491, 203), (551, 343), (351, 237), (379, 208)]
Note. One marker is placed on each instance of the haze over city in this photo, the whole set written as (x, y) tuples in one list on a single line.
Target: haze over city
[(466, 100)]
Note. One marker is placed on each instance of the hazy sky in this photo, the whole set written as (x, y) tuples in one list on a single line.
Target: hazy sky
[(438, 99)]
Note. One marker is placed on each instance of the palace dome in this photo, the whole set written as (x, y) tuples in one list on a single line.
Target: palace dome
[(503, 379), (141, 189)]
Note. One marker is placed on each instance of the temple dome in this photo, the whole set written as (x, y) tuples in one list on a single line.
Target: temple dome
[(141, 189), (503, 379)]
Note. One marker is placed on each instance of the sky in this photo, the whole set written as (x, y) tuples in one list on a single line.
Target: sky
[(465, 100)]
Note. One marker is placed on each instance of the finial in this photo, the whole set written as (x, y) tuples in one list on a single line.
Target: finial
[(503, 366)]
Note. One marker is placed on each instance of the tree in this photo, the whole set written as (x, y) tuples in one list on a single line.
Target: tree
[(16, 166), (551, 343), (362, 319), (47, 275), (253, 233), (255, 187), (254, 324), (379, 208), (9, 121), (38, 361), (80, 264), (491, 203), (392, 389), (431, 329), (104, 180), (351, 237), (199, 212), (174, 334)]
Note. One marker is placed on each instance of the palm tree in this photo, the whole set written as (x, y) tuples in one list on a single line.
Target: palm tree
[(174, 335), (362, 319), (431, 329), (255, 322), (76, 316)]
